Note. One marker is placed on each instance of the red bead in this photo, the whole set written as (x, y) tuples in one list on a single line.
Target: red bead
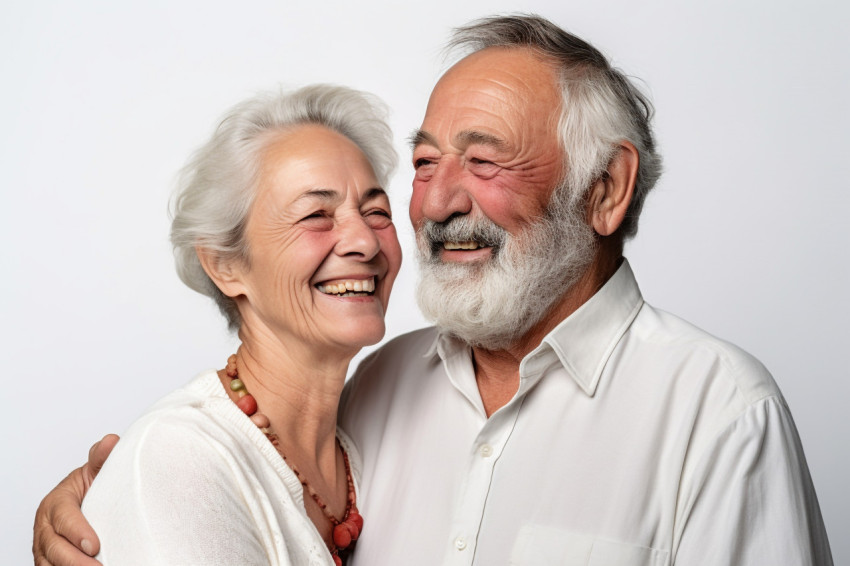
[(357, 519), (337, 560), (352, 530), (342, 536), (248, 404)]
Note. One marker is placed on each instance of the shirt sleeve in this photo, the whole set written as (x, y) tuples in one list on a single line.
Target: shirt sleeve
[(752, 501), (174, 494)]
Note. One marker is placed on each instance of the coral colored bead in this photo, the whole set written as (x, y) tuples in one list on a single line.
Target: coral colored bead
[(357, 519), (236, 384), (337, 560), (352, 529), (342, 537), (260, 420), (248, 404)]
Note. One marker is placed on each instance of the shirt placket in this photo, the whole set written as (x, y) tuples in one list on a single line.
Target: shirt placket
[(484, 453), (469, 511)]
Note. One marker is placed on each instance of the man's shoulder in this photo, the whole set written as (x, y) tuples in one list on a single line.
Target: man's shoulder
[(393, 367), (407, 349), (681, 342)]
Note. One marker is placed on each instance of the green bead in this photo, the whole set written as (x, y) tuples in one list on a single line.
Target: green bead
[(236, 385)]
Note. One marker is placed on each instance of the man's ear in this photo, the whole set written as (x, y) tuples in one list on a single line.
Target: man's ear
[(224, 274), (612, 193)]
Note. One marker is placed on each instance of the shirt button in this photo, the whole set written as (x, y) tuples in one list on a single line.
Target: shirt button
[(485, 450), (460, 543)]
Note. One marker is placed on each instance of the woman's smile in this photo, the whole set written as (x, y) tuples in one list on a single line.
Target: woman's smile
[(323, 249)]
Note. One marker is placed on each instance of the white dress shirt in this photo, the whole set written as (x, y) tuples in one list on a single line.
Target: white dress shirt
[(634, 438)]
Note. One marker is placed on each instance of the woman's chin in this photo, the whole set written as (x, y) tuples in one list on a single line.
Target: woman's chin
[(360, 335)]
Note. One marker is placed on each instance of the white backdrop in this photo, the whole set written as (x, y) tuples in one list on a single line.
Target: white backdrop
[(102, 102)]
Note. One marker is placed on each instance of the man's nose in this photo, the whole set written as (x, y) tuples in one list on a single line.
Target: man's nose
[(445, 195)]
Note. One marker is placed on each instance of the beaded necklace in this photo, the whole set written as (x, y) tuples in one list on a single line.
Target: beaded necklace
[(345, 531)]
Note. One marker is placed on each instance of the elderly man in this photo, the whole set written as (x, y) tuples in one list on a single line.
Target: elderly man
[(552, 416)]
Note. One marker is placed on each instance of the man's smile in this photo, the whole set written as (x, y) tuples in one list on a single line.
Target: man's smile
[(468, 245)]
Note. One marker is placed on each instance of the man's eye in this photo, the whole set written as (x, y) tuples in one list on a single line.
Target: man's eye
[(482, 167), (420, 162)]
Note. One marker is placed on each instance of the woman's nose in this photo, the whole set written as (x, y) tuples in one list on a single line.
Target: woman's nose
[(356, 237)]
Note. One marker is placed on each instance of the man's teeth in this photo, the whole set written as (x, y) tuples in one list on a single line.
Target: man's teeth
[(470, 245), (348, 286)]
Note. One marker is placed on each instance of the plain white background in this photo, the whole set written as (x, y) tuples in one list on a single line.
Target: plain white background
[(102, 102)]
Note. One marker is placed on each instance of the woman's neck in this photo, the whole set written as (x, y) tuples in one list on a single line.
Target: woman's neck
[(298, 390), (297, 386)]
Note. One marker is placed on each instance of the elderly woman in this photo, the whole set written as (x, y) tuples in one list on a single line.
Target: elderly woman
[(283, 220)]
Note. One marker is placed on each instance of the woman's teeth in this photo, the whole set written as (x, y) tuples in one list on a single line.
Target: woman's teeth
[(471, 245), (349, 287)]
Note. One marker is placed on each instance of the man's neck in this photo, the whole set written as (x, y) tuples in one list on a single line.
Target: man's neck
[(497, 371)]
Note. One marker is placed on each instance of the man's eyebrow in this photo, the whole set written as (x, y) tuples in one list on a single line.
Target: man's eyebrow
[(419, 137), (462, 139), (470, 137)]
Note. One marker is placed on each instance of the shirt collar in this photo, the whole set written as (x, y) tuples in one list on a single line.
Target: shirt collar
[(582, 342), (585, 340)]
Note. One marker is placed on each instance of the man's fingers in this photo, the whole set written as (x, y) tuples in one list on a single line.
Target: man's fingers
[(97, 456), (56, 534), (59, 552), (67, 518)]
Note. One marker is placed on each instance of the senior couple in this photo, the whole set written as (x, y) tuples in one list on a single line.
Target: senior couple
[(551, 416)]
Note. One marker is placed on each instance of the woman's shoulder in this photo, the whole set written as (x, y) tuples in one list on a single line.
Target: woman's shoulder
[(193, 463), (194, 430)]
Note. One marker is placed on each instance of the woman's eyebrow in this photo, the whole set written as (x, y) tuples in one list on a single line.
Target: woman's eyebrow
[(373, 193), (319, 194)]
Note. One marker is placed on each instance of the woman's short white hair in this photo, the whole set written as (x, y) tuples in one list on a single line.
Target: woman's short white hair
[(600, 105), (216, 188)]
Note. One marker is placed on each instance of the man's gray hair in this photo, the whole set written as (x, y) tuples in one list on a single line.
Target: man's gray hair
[(216, 188), (600, 107)]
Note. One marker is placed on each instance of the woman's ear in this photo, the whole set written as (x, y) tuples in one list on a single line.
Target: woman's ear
[(612, 193), (224, 273)]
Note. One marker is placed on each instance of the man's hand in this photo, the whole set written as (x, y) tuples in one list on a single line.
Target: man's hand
[(61, 534)]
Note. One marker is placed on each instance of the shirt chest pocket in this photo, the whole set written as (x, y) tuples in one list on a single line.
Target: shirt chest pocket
[(537, 545)]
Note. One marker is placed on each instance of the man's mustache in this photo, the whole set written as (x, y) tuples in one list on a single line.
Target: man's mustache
[(462, 229)]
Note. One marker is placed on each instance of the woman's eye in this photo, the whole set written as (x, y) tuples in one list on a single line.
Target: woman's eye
[(378, 218), (318, 220), (421, 162)]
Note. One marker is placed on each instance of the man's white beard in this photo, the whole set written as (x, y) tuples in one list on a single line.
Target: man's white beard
[(493, 302)]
